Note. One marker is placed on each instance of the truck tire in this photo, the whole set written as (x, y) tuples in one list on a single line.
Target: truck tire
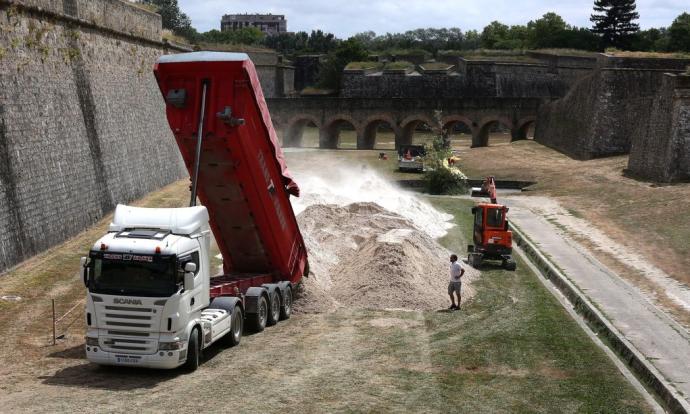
[(511, 265), (233, 307), (233, 337), (193, 351), (257, 321), (286, 306), (274, 309)]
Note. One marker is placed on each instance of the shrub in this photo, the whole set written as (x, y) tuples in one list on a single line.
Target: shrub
[(445, 180), (440, 177)]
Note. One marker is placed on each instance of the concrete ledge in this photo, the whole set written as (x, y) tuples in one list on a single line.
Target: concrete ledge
[(648, 374)]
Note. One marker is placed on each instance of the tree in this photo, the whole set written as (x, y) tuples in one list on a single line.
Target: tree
[(173, 19), (548, 31), (244, 36), (656, 40), (579, 38), (613, 21), (472, 40), (493, 34), (331, 72), (679, 34), (320, 42)]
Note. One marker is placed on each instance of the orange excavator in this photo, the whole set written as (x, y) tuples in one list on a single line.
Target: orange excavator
[(491, 235)]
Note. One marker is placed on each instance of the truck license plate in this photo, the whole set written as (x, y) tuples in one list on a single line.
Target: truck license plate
[(124, 360)]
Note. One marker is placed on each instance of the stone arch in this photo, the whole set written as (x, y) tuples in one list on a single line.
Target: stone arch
[(370, 128), (329, 136), (522, 127), (295, 129), (481, 137), (408, 126), (451, 121)]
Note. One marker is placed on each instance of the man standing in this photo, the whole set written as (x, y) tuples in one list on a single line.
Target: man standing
[(456, 272)]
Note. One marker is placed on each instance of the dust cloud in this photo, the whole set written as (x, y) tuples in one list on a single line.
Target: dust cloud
[(371, 244)]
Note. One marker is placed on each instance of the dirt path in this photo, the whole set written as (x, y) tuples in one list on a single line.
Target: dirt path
[(657, 284), (665, 343), (322, 363)]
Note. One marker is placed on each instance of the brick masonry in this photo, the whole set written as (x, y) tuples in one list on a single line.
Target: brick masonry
[(82, 122)]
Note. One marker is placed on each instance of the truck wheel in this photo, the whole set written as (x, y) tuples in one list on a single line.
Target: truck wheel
[(510, 265), (235, 335), (193, 351), (274, 313), (286, 308), (257, 321)]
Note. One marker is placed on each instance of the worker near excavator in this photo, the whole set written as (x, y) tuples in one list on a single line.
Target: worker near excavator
[(489, 187), (455, 284)]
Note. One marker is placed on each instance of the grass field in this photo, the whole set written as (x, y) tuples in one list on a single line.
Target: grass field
[(511, 349)]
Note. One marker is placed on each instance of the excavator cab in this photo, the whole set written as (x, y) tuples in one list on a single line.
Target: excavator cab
[(491, 236)]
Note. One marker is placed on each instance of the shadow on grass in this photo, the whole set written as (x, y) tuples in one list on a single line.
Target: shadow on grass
[(75, 352), (93, 376), (118, 378)]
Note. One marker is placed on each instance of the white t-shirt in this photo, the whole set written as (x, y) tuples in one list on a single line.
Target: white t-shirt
[(455, 272)]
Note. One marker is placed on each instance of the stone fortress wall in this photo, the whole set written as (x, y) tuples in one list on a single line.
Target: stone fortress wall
[(82, 122), (591, 106), (661, 151), (604, 112), (548, 77)]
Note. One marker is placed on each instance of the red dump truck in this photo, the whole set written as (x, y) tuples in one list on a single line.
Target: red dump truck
[(153, 299)]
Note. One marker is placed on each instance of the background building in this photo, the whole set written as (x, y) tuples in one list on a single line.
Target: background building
[(267, 23)]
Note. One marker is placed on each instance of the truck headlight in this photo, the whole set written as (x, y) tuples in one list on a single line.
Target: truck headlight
[(91, 341), (171, 346)]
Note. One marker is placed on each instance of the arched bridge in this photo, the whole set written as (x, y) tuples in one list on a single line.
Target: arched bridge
[(401, 116)]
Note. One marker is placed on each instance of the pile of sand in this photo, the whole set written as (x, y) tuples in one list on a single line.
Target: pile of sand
[(364, 256)]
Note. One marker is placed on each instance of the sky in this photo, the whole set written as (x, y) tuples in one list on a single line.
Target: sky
[(348, 17)]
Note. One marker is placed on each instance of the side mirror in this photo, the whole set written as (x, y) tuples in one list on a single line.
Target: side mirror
[(189, 269), (189, 281), (85, 270)]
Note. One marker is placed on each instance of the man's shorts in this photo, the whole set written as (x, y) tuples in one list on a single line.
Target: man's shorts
[(454, 287)]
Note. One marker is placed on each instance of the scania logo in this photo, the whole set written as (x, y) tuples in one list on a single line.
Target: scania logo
[(125, 301)]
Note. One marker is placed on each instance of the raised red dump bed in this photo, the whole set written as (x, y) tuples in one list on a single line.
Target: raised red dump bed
[(242, 179)]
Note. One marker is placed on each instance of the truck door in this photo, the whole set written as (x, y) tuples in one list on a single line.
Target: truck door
[(478, 226), (197, 299)]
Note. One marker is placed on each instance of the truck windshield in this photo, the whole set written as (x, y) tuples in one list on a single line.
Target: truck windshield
[(494, 217), (131, 274)]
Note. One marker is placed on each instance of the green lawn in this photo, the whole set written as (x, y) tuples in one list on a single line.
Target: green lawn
[(515, 349)]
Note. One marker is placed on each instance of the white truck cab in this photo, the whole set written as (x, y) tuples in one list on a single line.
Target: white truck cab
[(148, 290)]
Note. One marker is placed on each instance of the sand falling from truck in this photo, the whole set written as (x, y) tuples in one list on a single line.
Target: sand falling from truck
[(371, 244)]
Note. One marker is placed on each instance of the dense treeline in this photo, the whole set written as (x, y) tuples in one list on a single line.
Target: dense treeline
[(613, 26)]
